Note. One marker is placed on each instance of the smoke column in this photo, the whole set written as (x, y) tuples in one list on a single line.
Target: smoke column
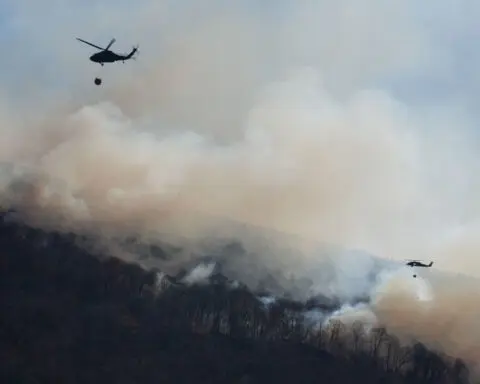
[(282, 119)]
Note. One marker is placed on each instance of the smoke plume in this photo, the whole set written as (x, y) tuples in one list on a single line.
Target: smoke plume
[(284, 120)]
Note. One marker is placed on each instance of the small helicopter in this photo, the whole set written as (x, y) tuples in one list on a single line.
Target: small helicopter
[(416, 263), (107, 56)]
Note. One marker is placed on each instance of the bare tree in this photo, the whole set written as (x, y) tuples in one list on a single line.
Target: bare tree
[(358, 337), (396, 356), (377, 340)]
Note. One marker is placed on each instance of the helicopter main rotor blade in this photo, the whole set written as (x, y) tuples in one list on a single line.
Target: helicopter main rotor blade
[(110, 44), (93, 45)]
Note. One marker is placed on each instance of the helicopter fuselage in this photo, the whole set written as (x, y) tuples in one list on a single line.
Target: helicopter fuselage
[(418, 264), (105, 57)]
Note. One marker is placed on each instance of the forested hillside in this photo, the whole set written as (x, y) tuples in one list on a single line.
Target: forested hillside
[(70, 317)]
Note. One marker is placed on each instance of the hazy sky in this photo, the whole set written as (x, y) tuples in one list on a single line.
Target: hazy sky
[(233, 70), (40, 38), (44, 29)]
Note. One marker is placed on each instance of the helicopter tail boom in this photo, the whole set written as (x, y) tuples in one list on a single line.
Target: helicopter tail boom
[(132, 52)]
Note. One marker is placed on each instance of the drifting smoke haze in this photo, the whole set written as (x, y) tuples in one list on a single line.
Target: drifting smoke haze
[(289, 118)]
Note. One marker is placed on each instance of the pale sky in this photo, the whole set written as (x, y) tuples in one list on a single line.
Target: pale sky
[(40, 38), (209, 66)]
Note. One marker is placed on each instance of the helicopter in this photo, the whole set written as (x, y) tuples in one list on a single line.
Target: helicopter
[(107, 56), (416, 263)]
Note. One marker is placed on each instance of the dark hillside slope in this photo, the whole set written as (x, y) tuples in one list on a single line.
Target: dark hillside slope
[(69, 317)]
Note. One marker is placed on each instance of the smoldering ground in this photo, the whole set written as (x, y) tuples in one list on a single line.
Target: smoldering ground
[(268, 123)]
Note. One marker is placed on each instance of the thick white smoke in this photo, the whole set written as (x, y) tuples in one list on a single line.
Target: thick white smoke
[(281, 121)]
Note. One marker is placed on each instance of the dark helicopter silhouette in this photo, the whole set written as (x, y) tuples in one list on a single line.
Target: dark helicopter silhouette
[(107, 56), (416, 263)]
